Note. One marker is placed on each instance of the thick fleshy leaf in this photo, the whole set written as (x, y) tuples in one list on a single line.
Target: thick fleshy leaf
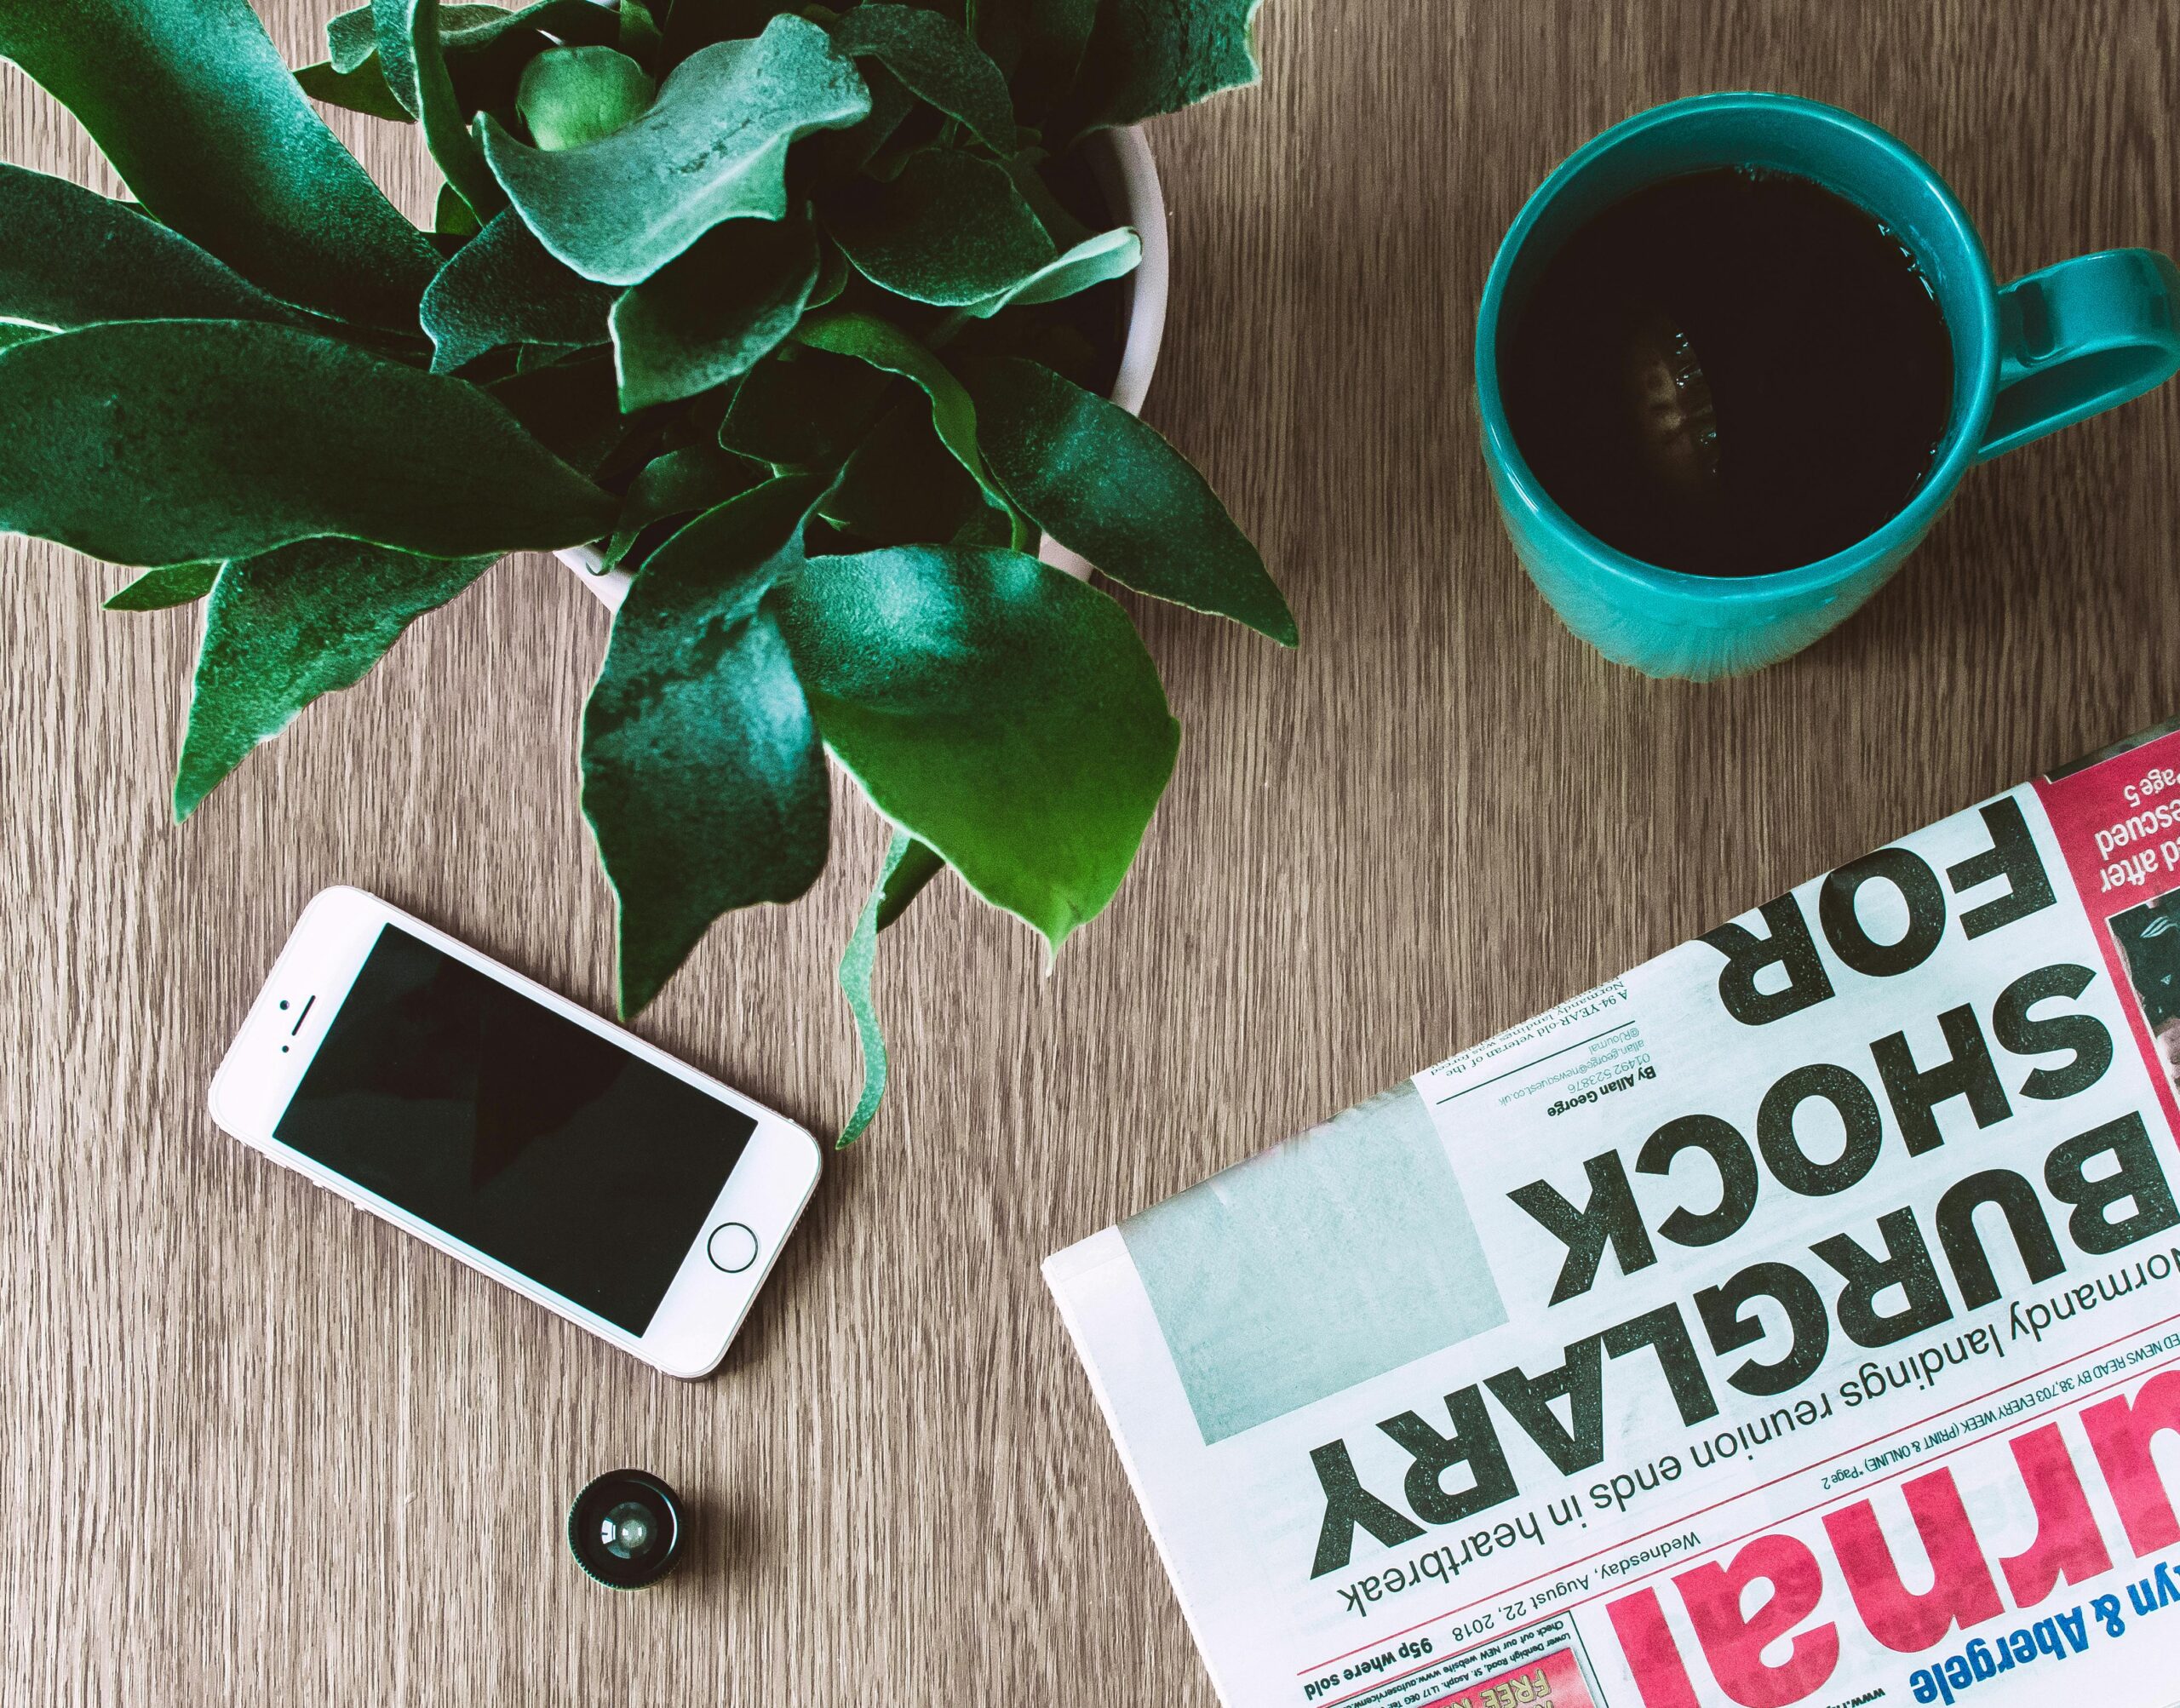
[(569, 407), (693, 25), (800, 409), (351, 36), (1103, 483), (361, 90), (163, 589), (714, 147), (904, 879), (901, 487), (640, 38), (680, 483), (1027, 168), (932, 56), (573, 95), (414, 60), (453, 219), (702, 775), (1039, 42), (714, 311), (290, 625), (834, 273), (994, 708), (1108, 255), (837, 156), (952, 229), (909, 865), (501, 288), (486, 46), (73, 257), (884, 345), (162, 441), (202, 119), (1146, 57)]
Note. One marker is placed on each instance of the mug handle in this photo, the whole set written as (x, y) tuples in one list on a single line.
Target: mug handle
[(2080, 338)]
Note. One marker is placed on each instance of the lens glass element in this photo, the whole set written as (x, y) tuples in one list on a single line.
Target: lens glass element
[(628, 1530)]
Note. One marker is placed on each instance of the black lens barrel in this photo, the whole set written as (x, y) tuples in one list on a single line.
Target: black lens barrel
[(598, 1510)]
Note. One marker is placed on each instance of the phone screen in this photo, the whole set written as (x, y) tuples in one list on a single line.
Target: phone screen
[(521, 1134)]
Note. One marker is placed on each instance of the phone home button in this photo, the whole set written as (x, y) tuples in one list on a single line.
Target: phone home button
[(731, 1247)]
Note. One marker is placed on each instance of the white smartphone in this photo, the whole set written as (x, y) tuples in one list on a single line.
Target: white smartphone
[(501, 1123)]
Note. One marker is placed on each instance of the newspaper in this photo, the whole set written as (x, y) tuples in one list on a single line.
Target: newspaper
[(1794, 1320)]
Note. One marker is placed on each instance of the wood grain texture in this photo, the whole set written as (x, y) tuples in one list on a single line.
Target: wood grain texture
[(258, 1448)]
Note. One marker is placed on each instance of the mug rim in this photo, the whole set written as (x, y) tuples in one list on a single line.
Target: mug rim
[(1900, 531)]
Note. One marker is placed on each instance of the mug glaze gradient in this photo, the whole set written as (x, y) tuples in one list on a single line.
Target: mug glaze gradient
[(2048, 349)]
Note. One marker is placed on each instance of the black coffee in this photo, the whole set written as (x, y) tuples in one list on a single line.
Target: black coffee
[(1729, 373)]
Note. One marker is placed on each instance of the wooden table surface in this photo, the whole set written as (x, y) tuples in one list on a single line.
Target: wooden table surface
[(258, 1448)]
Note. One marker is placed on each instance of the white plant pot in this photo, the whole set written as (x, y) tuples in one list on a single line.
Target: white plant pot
[(1121, 159)]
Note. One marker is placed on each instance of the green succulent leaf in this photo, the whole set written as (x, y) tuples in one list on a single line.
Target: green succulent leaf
[(834, 273), (164, 589), (573, 95), (162, 441), (414, 60), (362, 90), (837, 156), (702, 775), (640, 38), (351, 36), (679, 483), (800, 409), (715, 311), (289, 625), (1103, 483), (909, 865), (75, 258), (952, 229), (1094, 261), (906, 881), (1039, 42), (932, 56), (1027, 168), (846, 332), (501, 288), (486, 46), (200, 116), (453, 218), (714, 147), (569, 406), (692, 25), (901, 487), (994, 708), (1147, 57)]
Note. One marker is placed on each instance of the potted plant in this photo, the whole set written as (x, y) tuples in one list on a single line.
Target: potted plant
[(799, 320)]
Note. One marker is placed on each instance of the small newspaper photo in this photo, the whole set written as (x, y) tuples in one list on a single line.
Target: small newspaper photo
[(1795, 1320)]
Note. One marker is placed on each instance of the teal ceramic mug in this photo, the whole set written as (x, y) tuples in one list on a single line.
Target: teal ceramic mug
[(2046, 350)]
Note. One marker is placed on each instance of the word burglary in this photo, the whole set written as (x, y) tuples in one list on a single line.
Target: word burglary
[(2104, 1182)]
